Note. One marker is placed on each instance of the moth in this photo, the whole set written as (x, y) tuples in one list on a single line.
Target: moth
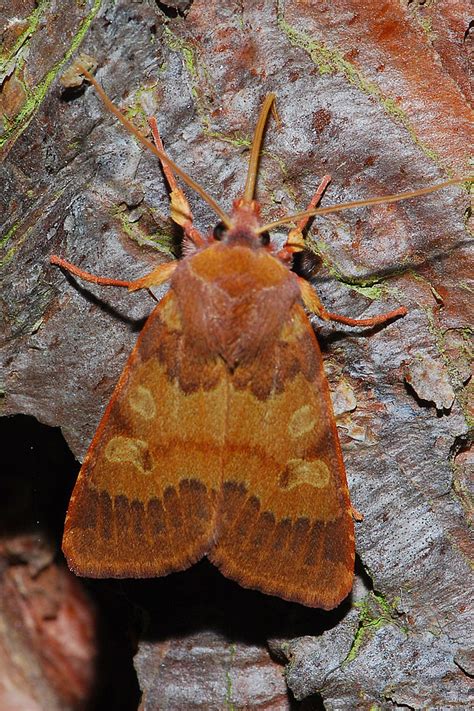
[(219, 439)]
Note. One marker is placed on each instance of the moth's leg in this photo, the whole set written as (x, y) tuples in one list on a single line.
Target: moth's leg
[(295, 240), (313, 304), (156, 277), (180, 210), (296, 243), (356, 515)]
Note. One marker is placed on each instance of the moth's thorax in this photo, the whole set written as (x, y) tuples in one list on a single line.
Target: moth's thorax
[(233, 300)]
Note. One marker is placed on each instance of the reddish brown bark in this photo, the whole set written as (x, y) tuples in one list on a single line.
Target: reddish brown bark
[(379, 96)]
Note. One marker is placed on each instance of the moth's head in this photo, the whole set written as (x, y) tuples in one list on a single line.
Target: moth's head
[(245, 226)]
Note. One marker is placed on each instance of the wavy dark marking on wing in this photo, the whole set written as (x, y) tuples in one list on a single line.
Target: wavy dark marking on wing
[(118, 537)]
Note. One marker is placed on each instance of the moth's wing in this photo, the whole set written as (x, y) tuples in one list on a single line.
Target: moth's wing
[(144, 501), (284, 524)]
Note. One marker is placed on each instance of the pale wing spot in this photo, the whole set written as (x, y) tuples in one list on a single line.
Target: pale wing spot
[(127, 449), (302, 471), (294, 328), (169, 314), (301, 422), (141, 400)]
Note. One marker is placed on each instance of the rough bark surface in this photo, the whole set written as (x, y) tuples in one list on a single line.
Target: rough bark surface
[(379, 96)]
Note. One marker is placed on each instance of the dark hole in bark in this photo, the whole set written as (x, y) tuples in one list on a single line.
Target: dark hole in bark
[(467, 33), (38, 473), (174, 8), (72, 93)]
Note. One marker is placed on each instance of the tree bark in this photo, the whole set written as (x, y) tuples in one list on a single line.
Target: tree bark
[(377, 95)]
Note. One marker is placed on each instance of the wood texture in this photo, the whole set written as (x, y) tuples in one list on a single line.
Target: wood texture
[(381, 98)]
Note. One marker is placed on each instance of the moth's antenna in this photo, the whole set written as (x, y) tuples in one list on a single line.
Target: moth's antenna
[(151, 147), (360, 203), (255, 150)]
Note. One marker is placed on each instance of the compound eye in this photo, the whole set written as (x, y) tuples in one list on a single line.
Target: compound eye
[(264, 239), (219, 231)]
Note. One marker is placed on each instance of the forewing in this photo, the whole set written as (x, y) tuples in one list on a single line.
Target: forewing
[(284, 524), (144, 501)]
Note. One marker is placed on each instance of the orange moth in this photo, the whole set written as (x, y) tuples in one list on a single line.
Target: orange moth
[(219, 439)]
